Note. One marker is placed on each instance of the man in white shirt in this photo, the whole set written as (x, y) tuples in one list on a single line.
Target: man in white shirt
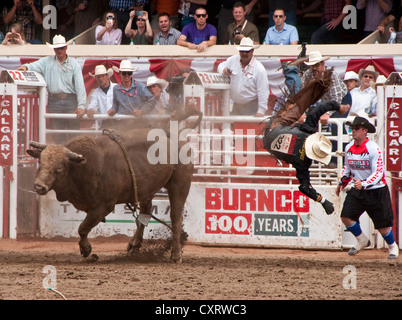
[(101, 99), (249, 86), (364, 98)]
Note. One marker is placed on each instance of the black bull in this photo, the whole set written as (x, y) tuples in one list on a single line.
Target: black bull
[(94, 176)]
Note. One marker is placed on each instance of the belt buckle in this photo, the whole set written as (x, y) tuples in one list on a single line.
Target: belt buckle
[(62, 96)]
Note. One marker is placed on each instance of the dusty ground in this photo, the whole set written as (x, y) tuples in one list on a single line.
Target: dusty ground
[(207, 273)]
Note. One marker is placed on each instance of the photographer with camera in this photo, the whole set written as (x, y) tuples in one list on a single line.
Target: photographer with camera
[(15, 36), (241, 27), (143, 34), (108, 32)]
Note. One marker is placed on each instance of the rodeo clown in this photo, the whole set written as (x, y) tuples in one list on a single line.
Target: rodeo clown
[(299, 145), (364, 169)]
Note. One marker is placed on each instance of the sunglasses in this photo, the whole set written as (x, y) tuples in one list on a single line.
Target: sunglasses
[(202, 15), (140, 19), (125, 73), (276, 16), (368, 76), (356, 128), (110, 18)]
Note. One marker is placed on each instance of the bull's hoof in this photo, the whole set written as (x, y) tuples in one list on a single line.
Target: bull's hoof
[(85, 249), (176, 257), (133, 248)]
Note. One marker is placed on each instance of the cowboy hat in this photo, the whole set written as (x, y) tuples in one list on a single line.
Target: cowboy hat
[(370, 70), (58, 42), (125, 65), (154, 80), (361, 122), (351, 75), (314, 58), (101, 69), (318, 148), (246, 44), (380, 80)]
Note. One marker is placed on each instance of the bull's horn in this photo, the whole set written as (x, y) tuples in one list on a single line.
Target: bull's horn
[(37, 145), (75, 156)]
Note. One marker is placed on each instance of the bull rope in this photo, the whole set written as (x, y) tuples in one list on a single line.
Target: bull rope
[(115, 137)]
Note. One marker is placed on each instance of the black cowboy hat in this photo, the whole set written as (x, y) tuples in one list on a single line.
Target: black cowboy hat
[(361, 122)]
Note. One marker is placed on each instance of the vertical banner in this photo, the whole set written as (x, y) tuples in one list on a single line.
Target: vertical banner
[(6, 126), (394, 130)]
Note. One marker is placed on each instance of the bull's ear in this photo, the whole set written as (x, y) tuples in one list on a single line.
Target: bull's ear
[(34, 153)]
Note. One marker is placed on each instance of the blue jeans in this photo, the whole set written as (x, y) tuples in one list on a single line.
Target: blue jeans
[(324, 36), (67, 105)]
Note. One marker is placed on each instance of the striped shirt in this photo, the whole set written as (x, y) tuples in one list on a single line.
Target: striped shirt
[(63, 77), (364, 163)]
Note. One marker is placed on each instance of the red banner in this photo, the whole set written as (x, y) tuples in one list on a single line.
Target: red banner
[(394, 130), (6, 128)]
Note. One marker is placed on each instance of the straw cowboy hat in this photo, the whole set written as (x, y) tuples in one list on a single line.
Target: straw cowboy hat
[(361, 122), (101, 69), (314, 58), (125, 65), (58, 42), (318, 148), (246, 44), (351, 75), (369, 70), (154, 80)]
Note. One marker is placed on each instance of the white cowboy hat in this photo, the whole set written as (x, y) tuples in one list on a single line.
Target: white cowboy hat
[(351, 75), (101, 69), (314, 58), (154, 80), (360, 113), (246, 44), (125, 65), (58, 42), (369, 70), (318, 148)]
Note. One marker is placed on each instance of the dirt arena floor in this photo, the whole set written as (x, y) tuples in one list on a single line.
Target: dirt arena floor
[(207, 273)]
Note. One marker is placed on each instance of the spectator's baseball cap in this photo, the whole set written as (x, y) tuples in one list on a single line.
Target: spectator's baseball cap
[(361, 122), (58, 42), (318, 148)]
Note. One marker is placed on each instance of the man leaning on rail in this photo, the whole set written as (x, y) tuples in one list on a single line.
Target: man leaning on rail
[(299, 145)]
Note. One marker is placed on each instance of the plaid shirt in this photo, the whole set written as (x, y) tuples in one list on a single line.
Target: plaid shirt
[(337, 90), (26, 18), (332, 9)]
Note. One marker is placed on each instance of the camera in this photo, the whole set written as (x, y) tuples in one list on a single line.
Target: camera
[(139, 13)]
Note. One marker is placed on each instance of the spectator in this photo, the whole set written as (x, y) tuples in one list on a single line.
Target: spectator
[(65, 85), (375, 11), (395, 16), (122, 9), (198, 35), (281, 33), (249, 86), (364, 98), (290, 8), (167, 35), (15, 36), (332, 17), (351, 80), (27, 14), (187, 10), (241, 27), (143, 34), (130, 96), (86, 14), (107, 32), (337, 90), (225, 15), (157, 88), (101, 99), (171, 7)]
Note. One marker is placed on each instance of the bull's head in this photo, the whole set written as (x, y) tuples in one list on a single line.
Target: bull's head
[(54, 162)]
